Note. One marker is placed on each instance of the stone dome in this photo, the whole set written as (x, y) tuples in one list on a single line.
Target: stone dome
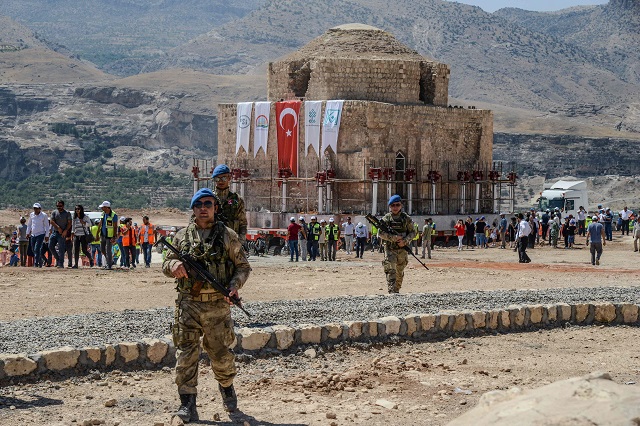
[(350, 41)]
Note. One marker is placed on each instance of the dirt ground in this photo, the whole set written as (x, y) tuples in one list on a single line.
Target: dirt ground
[(421, 383)]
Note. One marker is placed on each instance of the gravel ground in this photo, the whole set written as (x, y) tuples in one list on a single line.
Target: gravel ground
[(82, 330)]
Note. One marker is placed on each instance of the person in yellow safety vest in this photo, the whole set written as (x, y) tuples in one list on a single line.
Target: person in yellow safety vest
[(169, 239), (332, 234), (374, 238), (414, 242), (108, 232), (428, 231), (95, 244), (147, 236), (314, 237)]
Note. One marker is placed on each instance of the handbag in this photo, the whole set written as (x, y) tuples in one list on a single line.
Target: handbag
[(88, 235)]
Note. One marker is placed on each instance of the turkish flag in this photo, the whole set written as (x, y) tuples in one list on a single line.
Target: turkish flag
[(287, 117)]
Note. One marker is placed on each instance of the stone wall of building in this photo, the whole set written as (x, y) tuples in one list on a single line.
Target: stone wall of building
[(404, 82), (371, 134)]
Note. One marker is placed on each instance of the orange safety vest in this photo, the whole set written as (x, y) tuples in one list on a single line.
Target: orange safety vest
[(149, 231), (129, 237)]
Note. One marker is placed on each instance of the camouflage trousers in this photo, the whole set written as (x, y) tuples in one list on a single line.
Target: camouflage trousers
[(395, 260), (212, 320)]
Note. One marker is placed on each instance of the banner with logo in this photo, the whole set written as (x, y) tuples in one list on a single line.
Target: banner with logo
[(312, 120), (331, 125), (243, 128), (261, 127), (287, 117)]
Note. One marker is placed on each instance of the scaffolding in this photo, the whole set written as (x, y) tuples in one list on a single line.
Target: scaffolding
[(428, 188)]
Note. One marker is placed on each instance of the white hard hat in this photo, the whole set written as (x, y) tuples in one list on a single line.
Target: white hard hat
[(172, 233), (331, 219), (301, 218), (314, 218), (105, 204), (37, 206), (293, 219), (359, 223), (323, 221)]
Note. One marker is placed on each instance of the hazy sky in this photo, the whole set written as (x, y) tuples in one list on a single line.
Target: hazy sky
[(539, 5)]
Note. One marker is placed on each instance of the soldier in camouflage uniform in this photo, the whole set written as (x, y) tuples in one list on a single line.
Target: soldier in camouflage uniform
[(232, 206), (395, 257), (200, 309)]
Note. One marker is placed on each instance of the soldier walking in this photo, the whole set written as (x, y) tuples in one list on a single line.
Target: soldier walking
[(200, 309), (232, 212), (395, 257)]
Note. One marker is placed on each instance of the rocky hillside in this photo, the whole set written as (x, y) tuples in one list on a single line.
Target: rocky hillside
[(121, 36)]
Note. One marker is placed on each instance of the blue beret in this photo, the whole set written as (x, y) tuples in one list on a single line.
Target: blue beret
[(220, 170), (394, 199), (204, 192)]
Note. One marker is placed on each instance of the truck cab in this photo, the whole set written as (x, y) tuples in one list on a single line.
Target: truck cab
[(568, 196)]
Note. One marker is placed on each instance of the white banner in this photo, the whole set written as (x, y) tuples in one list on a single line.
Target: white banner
[(312, 120), (261, 127), (331, 125), (243, 128)]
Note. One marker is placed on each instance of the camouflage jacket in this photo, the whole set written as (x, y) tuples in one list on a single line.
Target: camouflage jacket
[(402, 225), (233, 212), (218, 248)]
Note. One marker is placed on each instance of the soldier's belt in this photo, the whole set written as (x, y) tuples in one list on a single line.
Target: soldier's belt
[(202, 297)]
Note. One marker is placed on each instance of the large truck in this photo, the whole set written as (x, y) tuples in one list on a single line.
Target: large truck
[(567, 195)]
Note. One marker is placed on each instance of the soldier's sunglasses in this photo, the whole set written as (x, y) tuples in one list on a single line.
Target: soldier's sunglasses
[(222, 178), (200, 204)]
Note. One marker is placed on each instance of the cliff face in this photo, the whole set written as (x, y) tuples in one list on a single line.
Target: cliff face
[(69, 126), (554, 156)]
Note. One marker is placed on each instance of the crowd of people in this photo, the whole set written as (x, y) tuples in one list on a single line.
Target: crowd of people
[(43, 240)]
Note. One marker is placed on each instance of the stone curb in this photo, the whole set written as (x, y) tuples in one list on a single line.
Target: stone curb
[(158, 353)]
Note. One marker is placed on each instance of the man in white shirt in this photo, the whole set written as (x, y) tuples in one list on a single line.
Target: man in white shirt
[(37, 232), (625, 215), (523, 238), (349, 232), (362, 235)]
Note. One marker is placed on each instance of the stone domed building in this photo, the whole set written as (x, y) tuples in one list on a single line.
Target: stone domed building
[(397, 132)]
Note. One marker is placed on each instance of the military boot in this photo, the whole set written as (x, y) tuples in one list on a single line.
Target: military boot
[(391, 287), (229, 398), (187, 411)]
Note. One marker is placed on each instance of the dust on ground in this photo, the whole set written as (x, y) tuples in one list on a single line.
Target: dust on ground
[(404, 384)]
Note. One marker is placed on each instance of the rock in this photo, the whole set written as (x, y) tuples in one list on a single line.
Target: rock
[(129, 351), (156, 350), (110, 403), (629, 313), (216, 417), (479, 319), (310, 333), (588, 400), (109, 355), (355, 329), (334, 330), (535, 314), (605, 312), (285, 336), (392, 325), (61, 359), (427, 322), (331, 415), (93, 354), (387, 404), (582, 312), (254, 339), (413, 324), (17, 365), (310, 353)]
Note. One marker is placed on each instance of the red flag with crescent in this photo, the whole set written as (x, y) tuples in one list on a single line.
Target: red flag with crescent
[(287, 117)]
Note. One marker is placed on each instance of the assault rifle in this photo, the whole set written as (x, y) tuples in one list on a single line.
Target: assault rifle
[(200, 273), (383, 226)]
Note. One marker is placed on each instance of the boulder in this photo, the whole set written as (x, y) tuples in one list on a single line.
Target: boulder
[(594, 399)]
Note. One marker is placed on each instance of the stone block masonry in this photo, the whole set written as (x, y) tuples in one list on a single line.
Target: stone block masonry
[(157, 353)]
